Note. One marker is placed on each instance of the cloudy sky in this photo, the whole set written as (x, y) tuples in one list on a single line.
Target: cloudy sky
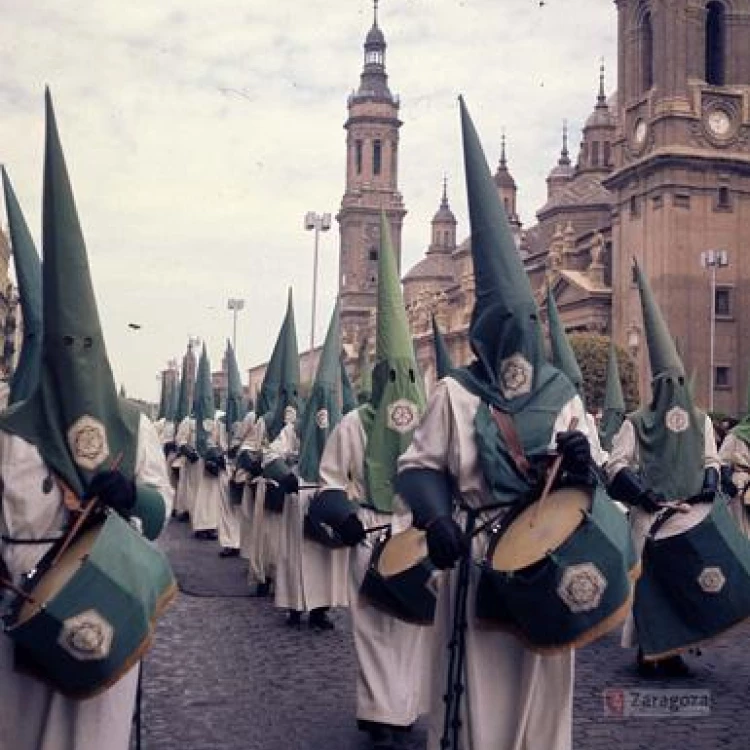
[(199, 132)]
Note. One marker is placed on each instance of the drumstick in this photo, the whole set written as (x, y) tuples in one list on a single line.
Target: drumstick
[(85, 513), (554, 470)]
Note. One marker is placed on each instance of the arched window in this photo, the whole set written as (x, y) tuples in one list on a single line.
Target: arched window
[(647, 53), (595, 154), (377, 151), (715, 43)]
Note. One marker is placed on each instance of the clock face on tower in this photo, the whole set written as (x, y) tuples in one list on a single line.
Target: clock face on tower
[(718, 122)]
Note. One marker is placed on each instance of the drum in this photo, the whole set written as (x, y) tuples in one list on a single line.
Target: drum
[(93, 613), (696, 579), (559, 573), (401, 579), (326, 512)]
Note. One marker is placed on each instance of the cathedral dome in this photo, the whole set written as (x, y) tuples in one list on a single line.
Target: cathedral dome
[(374, 38)]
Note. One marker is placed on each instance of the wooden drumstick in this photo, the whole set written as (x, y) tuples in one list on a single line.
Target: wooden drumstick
[(554, 470)]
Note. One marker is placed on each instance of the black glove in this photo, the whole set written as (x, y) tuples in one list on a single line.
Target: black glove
[(248, 463), (650, 501), (351, 531), (232, 452), (114, 489), (710, 486), (727, 485), (213, 467), (575, 449), (169, 447), (192, 455), (445, 542), (289, 483)]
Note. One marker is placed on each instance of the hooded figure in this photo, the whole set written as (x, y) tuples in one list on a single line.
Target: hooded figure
[(614, 401), (235, 410), (309, 576), (459, 458), (443, 363), (70, 436), (665, 451), (359, 465), (186, 462), (29, 277), (734, 454), (348, 399)]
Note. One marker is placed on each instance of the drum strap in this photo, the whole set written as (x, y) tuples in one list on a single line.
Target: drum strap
[(507, 428)]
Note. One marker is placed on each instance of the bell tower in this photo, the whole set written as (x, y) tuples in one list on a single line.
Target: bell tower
[(372, 135), (681, 184)]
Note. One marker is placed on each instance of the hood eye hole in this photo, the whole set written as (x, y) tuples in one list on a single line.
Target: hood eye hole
[(88, 342), (392, 375), (411, 376), (68, 340)]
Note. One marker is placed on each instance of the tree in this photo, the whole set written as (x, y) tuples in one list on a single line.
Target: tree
[(592, 352)]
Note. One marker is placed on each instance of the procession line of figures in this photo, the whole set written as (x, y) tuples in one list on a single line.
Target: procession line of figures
[(478, 537)]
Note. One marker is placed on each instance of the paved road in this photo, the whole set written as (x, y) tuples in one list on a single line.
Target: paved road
[(227, 674)]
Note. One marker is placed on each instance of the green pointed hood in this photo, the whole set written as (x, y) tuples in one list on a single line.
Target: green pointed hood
[(163, 398), (269, 388), (397, 400), (322, 411), (174, 398), (203, 404), (364, 383), (29, 277), (563, 357), (73, 416), (443, 363), (511, 370), (614, 402), (184, 407), (288, 402), (348, 399), (670, 429), (235, 409)]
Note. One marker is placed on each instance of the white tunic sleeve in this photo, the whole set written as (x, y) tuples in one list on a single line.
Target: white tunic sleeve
[(150, 466), (341, 465), (710, 453), (624, 452)]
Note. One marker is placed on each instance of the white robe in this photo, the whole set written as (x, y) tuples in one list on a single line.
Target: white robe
[(624, 454), (736, 454), (33, 716), (189, 472), (208, 489), (392, 655), (229, 514), (252, 439), (514, 698)]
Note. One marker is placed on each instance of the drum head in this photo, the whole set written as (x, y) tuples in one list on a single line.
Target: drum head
[(402, 551), (538, 530), (55, 579), (679, 523)]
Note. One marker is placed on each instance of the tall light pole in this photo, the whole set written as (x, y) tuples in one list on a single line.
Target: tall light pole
[(713, 259), (319, 223), (235, 305)]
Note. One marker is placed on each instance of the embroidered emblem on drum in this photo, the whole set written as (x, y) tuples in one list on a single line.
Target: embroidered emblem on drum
[(87, 636), (711, 580), (290, 415), (516, 374), (87, 440), (582, 587), (677, 419), (321, 419), (402, 415)]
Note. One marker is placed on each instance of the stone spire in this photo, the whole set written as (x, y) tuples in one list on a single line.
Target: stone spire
[(506, 188), (374, 81), (443, 225)]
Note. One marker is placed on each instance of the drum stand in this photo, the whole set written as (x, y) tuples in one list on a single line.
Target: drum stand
[(457, 647), (137, 713)]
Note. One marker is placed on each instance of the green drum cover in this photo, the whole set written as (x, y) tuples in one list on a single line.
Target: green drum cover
[(694, 585), (109, 606)]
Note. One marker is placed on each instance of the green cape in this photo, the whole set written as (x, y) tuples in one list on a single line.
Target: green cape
[(203, 405), (235, 409), (348, 399), (443, 362), (614, 402)]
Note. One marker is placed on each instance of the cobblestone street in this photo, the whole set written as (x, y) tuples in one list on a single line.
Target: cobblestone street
[(227, 673)]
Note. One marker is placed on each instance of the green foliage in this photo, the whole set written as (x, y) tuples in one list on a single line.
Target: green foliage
[(592, 353)]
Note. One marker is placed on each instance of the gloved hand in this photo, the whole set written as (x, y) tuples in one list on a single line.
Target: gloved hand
[(351, 531), (575, 449), (650, 501), (192, 454), (289, 483), (445, 542), (213, 467), (710, 487), (114, 489), (727, 484), (232, 452), (248, 463), (169, 447)]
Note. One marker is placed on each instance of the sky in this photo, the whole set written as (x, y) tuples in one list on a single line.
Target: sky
[(198, 133)]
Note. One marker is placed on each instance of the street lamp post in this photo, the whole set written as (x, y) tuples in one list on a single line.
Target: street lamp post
[(235, 305), (713, 259), (319, 223)]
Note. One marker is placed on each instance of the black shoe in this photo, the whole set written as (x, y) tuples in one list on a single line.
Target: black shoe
[(212, 534), (674, 666), (229, 552), (263, 589), (294, 618), (402, 738), (319, 620), (647, 669), (381, 735), (183, 517)]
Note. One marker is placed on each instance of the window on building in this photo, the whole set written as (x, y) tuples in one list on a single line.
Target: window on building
[(607, 154), (633, 206), (715, 43), (447, 239), (358, 156), (722, 377), (723, 303), (377, 156), (647, 53), (723, 199), (373, 254), (595, 154)]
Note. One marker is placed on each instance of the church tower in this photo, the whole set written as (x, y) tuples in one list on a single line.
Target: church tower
[(681, 184), (372, 133)]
